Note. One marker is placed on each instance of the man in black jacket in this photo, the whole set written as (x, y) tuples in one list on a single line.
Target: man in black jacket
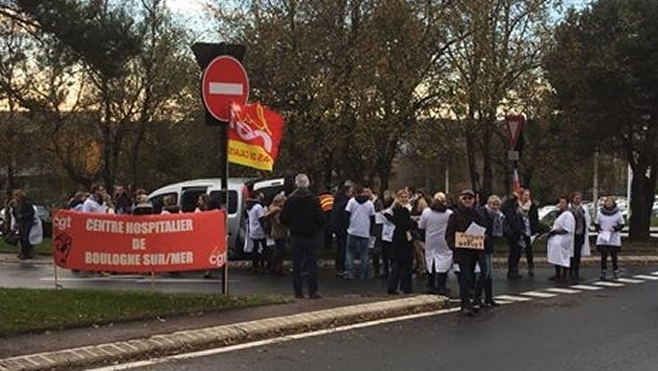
[(303, 216), (465, 255)]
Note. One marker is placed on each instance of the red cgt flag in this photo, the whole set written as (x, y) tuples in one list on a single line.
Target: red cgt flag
[(254, 135)]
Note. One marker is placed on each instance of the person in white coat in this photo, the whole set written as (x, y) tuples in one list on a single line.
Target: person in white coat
[(581, 245), (438, 256), (609, 223), (560, 242)]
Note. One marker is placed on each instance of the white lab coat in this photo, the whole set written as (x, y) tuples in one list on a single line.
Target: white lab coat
[(559, 248), (36, 232), (437, 251)]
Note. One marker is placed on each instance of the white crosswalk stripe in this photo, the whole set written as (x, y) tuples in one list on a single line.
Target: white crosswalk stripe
[(608, 284), (629, 280), (586, 287), (563, 291), (646, 277), (512, 298), (655, 273), (538, 294)]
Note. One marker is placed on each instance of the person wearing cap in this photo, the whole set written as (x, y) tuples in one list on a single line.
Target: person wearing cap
[(466, 215)]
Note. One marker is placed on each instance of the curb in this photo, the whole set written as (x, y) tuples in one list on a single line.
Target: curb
[(185, 341)]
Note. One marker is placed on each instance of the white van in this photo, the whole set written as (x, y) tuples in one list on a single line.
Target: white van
[(187, 193)]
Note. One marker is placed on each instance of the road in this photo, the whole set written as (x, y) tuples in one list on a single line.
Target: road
[(612, 328), (241, 282)]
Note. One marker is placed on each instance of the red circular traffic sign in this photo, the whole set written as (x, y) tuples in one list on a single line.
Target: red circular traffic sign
[(224, 82)]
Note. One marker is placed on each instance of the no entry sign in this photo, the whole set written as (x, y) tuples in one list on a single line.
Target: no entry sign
[(224, 81)]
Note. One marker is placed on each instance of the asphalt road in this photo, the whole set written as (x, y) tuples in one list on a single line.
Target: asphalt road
[(608, 329)]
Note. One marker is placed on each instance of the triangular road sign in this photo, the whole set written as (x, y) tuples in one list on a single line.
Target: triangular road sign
[(514, 125)]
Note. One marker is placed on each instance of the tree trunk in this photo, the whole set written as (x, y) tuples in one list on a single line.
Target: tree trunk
[(470, 155), (642, 198), (487, 170)]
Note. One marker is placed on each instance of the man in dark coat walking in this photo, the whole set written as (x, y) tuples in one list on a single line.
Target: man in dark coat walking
[(303, 216)]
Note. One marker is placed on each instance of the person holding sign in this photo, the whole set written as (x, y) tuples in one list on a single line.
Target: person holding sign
[(609, 223), (466, 235)]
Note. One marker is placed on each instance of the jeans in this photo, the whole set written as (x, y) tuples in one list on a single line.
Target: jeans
[(357, 248), (387, 257), (305, 257), (485, 280)]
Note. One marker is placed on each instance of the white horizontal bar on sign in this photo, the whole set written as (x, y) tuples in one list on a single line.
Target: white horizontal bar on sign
[(629, 280), (512, 298), (225, 88), (538, 294), (586, 287), (646, 277), (563, 291), (608, 284)]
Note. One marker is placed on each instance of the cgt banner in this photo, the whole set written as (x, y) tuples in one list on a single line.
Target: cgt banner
[(140, 243)]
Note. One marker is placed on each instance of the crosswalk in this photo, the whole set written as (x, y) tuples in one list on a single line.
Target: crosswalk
[(575, 289)]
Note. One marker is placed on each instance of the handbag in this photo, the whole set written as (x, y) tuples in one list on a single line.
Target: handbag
[(12, 238)]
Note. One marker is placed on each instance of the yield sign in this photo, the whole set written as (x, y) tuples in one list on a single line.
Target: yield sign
[(224, 82), (514, 124)]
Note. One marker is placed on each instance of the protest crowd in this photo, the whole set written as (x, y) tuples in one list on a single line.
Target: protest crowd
[(396, 236)]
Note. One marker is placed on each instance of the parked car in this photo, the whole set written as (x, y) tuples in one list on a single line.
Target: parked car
[(187, 193)]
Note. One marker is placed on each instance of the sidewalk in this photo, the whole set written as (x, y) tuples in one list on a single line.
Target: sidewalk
[(70, 350), (499, 261)]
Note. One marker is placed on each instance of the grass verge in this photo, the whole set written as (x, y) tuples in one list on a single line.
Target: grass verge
[(29, 310), (43, 248)]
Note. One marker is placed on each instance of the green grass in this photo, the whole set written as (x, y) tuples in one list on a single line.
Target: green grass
[(43, 248), (29, 310)]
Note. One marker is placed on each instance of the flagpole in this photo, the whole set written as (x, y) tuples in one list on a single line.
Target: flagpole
[(226, 211)]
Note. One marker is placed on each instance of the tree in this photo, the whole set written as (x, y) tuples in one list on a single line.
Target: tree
[(500, 43), (604, 69)]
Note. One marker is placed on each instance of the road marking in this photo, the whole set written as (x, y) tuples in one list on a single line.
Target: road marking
[(563, 291), (646, 277), (278, 340), (655, 273), (586, 287), (512, 298), (504, 302), (629, 280), (608, 284), (225, 88), (538, 294)]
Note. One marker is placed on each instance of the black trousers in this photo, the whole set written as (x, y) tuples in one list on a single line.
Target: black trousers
[(341, 245), (24, 239), (387, 258), (305, 258), (514, 256), (467, 261), (259, 254), (614, 256), (402, 269), (579, 241)]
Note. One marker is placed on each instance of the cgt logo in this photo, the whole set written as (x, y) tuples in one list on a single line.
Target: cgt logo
[(62, 223), (217, 258)]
